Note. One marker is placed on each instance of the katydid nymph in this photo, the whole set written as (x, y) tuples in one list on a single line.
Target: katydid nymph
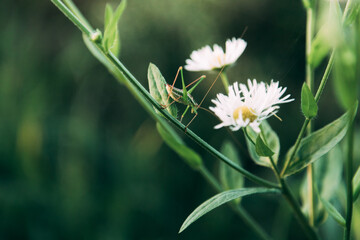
[(184, 96)]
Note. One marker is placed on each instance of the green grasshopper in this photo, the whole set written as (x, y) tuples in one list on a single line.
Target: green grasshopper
[(183, 95)]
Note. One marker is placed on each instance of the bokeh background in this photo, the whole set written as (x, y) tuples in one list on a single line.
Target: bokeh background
[(80, 158)]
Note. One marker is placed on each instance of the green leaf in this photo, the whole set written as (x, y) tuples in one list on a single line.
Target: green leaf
[(230, 178), (345, 80), (157, 88), (308, 104), (308, 3), (333, 212), (320, 142), (109, 12), (320, 48), (328, 176), (111, 40), (328, 173), (175, 143), (356, 185), (272, 141), (261, 148), (353, 13), (219, 200)]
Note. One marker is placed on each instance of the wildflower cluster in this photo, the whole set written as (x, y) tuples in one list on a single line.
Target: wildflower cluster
[(244, 105)]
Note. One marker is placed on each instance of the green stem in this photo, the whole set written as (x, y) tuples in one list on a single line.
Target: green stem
[(135, 84), (318, 92), (73, 18), (349, 185), (245, 217), (288, 195), (350, 150), (309, 231), (210, 178), (78, 14), (310, 17), (296, 146), (225, 81)]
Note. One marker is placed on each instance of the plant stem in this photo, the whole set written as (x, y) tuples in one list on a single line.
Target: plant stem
[(136, 85), (349, 176), (296, 146), (319, 91), (310, 20), (350, 150), (298, 213), (225, 81), (287, 194), (245, 217), (210, 178)]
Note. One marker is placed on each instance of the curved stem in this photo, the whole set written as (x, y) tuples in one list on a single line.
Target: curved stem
[(288, 195), (310, 22), (349, 185), (136, 85)]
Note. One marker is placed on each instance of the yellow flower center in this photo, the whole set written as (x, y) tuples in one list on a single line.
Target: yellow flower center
[(247, 113)]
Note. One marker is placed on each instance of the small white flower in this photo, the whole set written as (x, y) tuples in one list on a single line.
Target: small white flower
[(206, 59), (248, 105)]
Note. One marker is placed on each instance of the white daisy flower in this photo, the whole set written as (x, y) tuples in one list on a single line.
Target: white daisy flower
[(206, 59), (248, 105)]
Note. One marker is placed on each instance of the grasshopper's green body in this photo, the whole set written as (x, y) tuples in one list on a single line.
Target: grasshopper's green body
[(183, 95)]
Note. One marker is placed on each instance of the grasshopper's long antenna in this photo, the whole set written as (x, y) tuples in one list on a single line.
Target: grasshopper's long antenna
[(211, 86)]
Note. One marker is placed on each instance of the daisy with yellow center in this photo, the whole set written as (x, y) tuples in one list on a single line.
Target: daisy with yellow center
[(248, 105), (206, 59)]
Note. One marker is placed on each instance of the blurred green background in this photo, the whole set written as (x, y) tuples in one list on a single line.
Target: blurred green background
[(80, 158)]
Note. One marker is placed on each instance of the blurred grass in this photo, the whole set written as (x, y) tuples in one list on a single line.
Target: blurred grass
[(80, 159)]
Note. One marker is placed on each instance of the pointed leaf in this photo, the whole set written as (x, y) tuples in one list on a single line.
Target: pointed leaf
[(308, 104), (328, 173), (320, 48), (175, 143), (345, 80), (111, 40), (157, 88), (261, 148), (333, 212), (230, 178), (219, 200), (108, 14), (272, 141), (356, 185), (320, 142)]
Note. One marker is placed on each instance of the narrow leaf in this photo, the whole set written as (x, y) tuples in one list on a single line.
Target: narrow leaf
[(345, 80), (230, 178), (328, 173), (320, 48), (157, 88), (219, 200), (308, 104), (320, 142), (356, 185), (261, 148), (108, 14), (272, 141), (111, 40), (333, 212), (175, 143)]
